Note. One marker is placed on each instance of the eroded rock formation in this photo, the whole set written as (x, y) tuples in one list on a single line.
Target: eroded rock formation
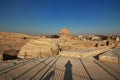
[(39, 48), (65, 34)]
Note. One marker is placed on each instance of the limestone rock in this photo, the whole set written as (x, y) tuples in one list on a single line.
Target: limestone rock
[(65, 44), (39, 48), (65, 34), (12, 35)]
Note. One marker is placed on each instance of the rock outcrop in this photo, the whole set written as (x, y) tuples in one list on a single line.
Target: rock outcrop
[(13, 35), (39, 48), (11, 43)]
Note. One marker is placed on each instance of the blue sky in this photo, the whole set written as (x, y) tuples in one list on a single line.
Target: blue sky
[(49, 16)]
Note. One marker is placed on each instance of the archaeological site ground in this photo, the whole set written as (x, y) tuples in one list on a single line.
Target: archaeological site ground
[(59, 57)]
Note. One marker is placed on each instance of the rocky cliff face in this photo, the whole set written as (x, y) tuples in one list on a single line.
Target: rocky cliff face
[(39, 48)]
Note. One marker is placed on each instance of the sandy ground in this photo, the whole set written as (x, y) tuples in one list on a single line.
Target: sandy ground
[(59, 68)]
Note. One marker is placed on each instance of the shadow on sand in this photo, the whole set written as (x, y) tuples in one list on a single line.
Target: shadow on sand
[(68, 71)]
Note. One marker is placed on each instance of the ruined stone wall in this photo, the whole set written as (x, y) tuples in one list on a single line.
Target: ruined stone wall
[(77, 44), (87, 44), (111, 56), (84, 53)]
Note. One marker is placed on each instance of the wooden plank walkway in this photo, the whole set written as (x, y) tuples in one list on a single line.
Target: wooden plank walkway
[(59, 68)]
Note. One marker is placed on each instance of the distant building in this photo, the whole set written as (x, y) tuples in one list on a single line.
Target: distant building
[(117, 38), (80, 36), (90, 37), (96, 38)]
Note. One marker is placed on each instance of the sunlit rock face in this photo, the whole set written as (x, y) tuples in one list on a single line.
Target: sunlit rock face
[(65, 44), (65, 34), (65, 38), (39, 48)]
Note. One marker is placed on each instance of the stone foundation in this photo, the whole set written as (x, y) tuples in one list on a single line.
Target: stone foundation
[(83, 53), (111, 56), (109, 59)]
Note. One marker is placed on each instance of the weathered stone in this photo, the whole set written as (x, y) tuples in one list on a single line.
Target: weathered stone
[(109, 59), (65, 34), (111, 56), (39, 48), (84, 52)]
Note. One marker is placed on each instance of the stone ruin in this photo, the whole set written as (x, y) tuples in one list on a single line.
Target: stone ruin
[(42, 47), (67, 42), (39, 48), (65, 34)]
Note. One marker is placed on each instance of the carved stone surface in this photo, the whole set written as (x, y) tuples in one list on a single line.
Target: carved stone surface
[(65, 34)]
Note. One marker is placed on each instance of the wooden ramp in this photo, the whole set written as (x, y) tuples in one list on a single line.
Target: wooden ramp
[(59, 68)]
